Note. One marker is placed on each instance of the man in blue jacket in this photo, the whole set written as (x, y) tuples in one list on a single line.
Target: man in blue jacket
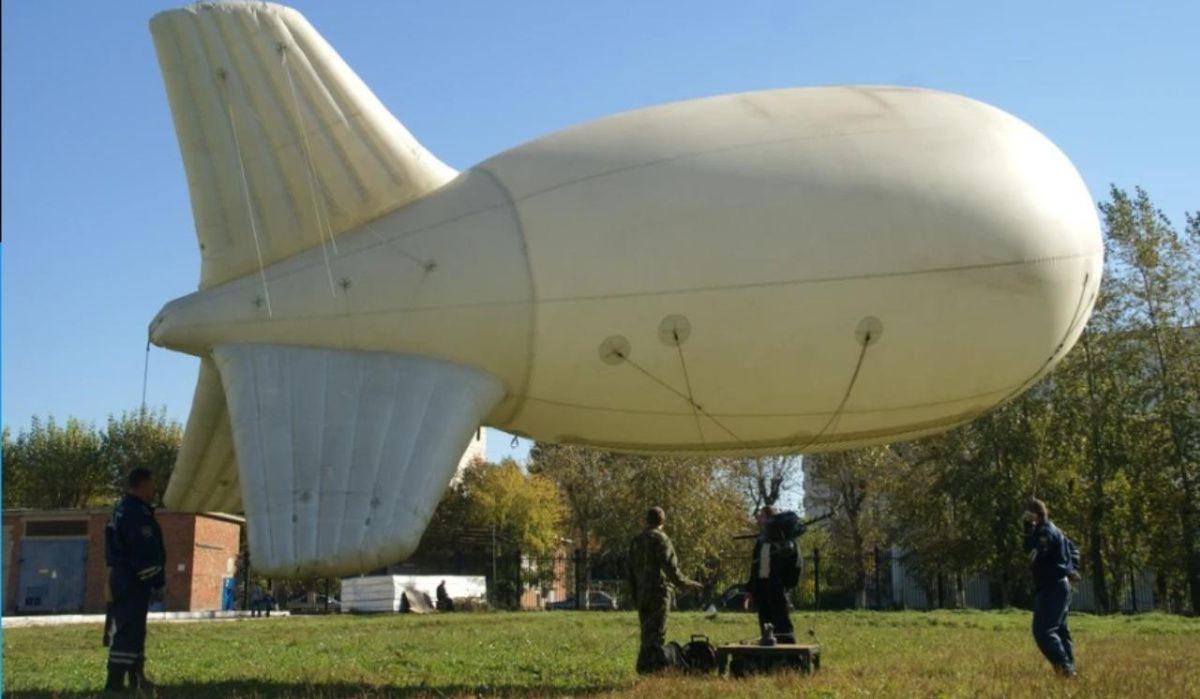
[(133, 547), (1054, 560)]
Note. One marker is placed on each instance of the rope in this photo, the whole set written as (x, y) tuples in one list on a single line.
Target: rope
[(246, 191), (318, 210), (145, 376), (697, 409), (427, 265), (837, 414), (672, 389), (687, 382)]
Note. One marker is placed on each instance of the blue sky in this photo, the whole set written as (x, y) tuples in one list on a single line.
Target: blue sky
[(96, 221)]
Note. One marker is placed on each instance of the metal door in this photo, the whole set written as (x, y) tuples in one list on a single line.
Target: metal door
[(52, 574)]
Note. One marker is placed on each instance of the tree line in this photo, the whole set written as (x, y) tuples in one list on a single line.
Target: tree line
[(75, 464)]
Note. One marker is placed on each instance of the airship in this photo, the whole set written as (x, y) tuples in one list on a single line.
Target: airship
[(786, 271)]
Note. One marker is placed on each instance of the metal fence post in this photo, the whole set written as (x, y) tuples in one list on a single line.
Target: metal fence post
[(246, 580), (1132, 591), (816, 578), (878, 588), (578, 578)]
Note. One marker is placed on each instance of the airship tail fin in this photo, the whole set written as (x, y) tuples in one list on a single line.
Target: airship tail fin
[(205, 478), (342, 455), (284, 146)]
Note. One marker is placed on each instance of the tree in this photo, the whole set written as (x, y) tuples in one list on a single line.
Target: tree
[(608, 495), (144, 439), (852, 483), (583, 477), (526, 509), (51, 466), (766, 478), (1161, 272)]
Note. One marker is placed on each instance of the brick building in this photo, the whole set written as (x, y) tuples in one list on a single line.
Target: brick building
[(54, 559)]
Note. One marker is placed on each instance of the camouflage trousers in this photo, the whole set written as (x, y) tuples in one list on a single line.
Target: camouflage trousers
[(652, 617)]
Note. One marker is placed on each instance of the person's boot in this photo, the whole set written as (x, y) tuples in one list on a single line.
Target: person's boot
[(116, 680), (137, 676), (768, 635)]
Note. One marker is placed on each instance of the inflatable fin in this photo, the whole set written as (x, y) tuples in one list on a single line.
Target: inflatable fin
[(343, 455), (205, 478), (283, 145)]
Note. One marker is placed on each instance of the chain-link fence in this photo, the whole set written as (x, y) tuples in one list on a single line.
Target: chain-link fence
[(882, 579)]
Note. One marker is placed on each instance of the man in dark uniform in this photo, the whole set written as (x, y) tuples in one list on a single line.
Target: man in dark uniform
[(652, 573), (133, 547), (1054, 560), (774, 569)]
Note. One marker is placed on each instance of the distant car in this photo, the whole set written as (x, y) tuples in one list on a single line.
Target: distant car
[(312, 603), (601, 601)]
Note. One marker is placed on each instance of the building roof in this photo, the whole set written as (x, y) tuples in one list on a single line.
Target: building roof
[(88, 511)]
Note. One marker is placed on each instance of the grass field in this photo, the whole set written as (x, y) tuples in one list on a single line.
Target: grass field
[(903, 654)]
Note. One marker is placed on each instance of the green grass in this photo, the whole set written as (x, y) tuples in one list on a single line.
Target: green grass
[(903, 654)]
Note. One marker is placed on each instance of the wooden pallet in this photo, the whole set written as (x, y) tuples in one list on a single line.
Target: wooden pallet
[(749, 658)]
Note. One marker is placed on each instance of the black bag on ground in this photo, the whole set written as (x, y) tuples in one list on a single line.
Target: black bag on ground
[(699, 655), (674, 655)]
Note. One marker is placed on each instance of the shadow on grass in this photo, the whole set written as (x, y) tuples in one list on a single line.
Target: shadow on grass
[(253, 688)]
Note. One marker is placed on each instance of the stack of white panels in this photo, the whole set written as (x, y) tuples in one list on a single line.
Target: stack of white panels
[(374, 593)]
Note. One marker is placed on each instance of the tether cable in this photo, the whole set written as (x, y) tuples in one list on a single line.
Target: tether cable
[(237, 145), (145, 375), (322, 219), (687, 382)]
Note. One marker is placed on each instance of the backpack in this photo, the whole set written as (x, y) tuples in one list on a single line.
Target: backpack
[(699, 655), (784, 526)]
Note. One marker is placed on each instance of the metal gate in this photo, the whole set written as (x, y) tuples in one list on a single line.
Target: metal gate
[(52, 575)]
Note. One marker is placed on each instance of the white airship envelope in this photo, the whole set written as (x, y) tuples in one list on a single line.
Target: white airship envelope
[(785, 271)]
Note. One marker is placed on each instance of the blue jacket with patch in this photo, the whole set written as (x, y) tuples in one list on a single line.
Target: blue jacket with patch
[(133, 545), (1052, 556)]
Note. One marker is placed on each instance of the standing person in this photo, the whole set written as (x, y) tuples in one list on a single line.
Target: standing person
[(133, 548), (652, 575), (444, 603), (774, 569), (1054, 560)]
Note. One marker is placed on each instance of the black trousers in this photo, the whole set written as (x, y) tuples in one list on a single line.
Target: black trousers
[(130, 605), (771, 599), (1050, 608)]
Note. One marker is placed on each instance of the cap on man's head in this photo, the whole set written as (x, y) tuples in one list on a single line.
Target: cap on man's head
[(655, 516), (138, 476)]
